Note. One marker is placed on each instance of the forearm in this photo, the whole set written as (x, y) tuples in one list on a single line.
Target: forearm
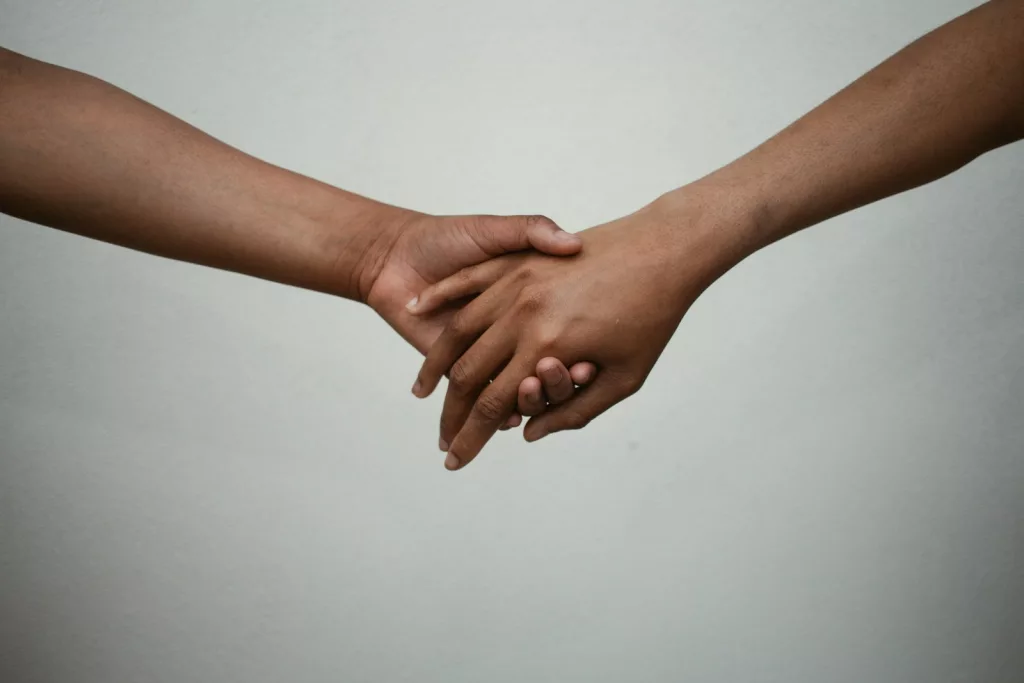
[(949, 97), (83, 156)]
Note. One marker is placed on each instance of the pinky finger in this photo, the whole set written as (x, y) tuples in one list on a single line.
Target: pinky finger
[(512, 422)]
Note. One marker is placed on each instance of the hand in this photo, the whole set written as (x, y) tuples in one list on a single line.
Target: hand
[(419, 250), (616, 304)]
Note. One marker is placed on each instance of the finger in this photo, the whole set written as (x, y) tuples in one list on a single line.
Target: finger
[(470, 376), (511, 423), (490, 410), (558, 386), (531, 397), (465, 326), (471, 280), (583, 373), (501, 234), (547, 237), (580, 410)]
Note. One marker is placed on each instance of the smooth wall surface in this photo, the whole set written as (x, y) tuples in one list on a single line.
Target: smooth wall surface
[(205, 477)]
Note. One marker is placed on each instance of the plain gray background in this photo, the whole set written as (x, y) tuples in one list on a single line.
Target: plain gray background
[(211, 478)]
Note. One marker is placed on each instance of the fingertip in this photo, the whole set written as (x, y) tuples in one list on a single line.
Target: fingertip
[(430, 298), (421, 305), (427, 380), (530, 385), (422, 388), (534, 435), (565, 243), (551, 239), (451, 462), (531, 401), (534, 429), (582, 373)]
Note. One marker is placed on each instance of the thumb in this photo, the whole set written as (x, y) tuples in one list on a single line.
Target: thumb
[(538, 232)]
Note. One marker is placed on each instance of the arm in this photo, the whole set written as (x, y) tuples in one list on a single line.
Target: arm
[(80, 155), (949, 97), (932, 108)]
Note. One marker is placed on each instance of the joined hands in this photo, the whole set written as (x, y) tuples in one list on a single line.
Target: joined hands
[(615, 304), (516, 311)]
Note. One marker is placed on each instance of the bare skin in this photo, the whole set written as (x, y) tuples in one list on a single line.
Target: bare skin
[(80, 155), (927, 111)]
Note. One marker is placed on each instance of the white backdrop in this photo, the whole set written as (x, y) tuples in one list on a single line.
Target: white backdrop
[(206, 477)]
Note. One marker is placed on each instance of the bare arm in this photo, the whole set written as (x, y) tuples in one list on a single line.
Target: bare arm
[(947, 98), (78, 154), (83, 156)]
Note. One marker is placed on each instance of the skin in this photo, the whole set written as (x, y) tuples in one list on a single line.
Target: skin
[(80, 155), (935, 106)]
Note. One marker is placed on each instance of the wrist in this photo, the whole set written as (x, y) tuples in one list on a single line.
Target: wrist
[(716, 223), (359, 235), (299, 232)]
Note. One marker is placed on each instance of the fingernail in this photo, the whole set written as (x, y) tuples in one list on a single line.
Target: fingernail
[(451, 462), (417, 388), (567, 237), (442, 444), (551, 375), (536, 436), (412, 304)]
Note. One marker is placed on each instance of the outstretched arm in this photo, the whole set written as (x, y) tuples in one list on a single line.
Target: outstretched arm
[(81, 155), (930, 109)]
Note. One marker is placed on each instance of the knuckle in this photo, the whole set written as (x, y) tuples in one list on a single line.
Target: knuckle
[(532, 300), (483, 224), (464, 277), (490, 407), (539, 219), (546, 340), (524, 274), (573, 421), (460, 377), (458, 326)]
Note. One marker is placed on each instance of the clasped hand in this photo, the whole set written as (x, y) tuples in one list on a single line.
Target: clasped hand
[(615, 305)]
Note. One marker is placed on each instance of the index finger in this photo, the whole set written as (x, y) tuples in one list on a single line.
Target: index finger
[(490, 411)]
